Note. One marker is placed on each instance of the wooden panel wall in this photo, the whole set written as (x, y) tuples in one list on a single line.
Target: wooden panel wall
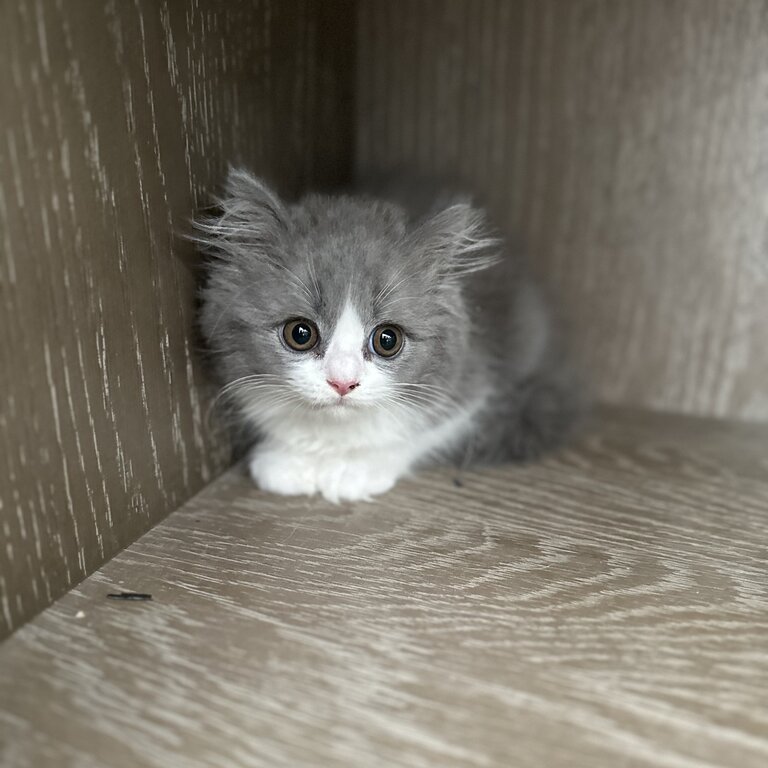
[(116, 118), (623, 144)]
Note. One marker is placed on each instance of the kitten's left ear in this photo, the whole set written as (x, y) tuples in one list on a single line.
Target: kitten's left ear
[(458, 241)]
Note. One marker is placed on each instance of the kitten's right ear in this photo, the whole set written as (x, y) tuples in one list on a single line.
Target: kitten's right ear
[(250, 198), (250, 219)]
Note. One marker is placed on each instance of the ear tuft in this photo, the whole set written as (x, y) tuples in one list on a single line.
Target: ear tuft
[(250, 220), (458, 240)]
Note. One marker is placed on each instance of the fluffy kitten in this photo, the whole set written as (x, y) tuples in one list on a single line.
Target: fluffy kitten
[(361, 341)]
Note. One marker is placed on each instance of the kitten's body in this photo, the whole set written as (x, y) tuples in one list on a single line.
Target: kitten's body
[(478, 377)]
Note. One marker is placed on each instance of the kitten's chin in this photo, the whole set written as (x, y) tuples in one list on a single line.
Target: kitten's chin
[(341, 408)]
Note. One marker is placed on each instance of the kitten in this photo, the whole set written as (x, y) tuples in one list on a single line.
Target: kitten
[(362, 342)]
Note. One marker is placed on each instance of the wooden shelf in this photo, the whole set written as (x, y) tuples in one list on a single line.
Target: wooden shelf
[(606, 607)]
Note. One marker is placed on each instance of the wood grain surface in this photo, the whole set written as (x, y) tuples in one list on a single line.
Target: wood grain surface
[(607, 607), (622, 146), (116, 120)]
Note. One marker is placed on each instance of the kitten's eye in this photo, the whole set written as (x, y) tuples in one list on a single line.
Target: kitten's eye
[(386, 340), (300, 334)]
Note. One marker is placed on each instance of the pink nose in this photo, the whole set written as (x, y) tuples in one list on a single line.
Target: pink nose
[(343, 387)]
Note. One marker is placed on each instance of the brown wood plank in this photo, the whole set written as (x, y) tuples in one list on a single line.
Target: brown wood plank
[(607, 607), (118, 118), (621, 145)]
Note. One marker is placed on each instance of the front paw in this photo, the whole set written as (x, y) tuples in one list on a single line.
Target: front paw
[(282, 473), (354, 481)]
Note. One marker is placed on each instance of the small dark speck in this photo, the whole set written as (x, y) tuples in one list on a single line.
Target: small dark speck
[(457, 482), (129, 596)]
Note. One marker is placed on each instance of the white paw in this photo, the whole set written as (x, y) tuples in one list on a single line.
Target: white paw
[(354, 481), (282, 473)]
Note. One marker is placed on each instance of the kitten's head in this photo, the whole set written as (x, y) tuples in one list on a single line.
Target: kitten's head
[(336, 305)]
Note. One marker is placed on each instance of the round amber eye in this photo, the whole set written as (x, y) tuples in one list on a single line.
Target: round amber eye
[(300, 334), (386, 340)]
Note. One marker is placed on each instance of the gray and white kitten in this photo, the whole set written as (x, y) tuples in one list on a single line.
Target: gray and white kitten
[(362, 340)]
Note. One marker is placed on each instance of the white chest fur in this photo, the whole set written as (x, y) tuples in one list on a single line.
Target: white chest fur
[(351, 456)]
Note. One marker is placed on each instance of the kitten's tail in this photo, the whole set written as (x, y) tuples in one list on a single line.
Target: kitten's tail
[(545, 412)]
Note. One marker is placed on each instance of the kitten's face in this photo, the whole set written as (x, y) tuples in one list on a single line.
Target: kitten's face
[(330, 306), (341, 363)]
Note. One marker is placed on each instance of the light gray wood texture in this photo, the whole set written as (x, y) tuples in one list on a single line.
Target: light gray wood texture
[(607, 607), (622, 145), (116, 119)]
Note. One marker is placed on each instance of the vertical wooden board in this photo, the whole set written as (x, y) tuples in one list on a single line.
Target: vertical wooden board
[(622, 146), (116, 119)]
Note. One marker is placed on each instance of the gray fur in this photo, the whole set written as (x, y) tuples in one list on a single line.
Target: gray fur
[(471, 316)]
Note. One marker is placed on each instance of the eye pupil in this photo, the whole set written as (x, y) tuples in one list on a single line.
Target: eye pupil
[(301, 334), (388, 340)]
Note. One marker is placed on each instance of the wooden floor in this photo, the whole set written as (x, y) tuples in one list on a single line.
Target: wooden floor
[(608, 607)]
